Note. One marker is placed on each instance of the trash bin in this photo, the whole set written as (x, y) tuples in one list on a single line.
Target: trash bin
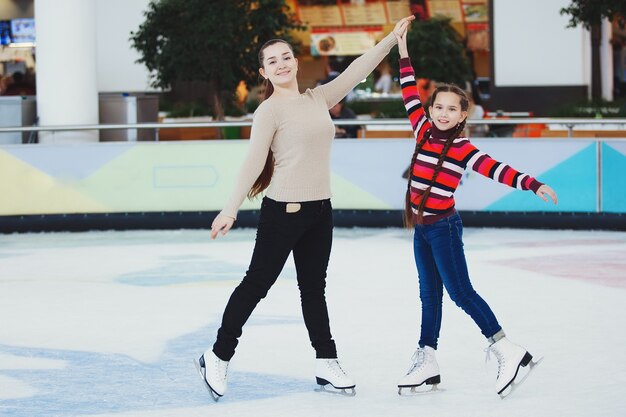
[(17, 111), (128, 109)]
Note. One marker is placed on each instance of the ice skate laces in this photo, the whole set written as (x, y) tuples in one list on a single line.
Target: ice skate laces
[(221, 368), (418, 358), (499, 357), (336, 368)]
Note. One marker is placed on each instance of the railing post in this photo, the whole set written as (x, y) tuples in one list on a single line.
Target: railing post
[(599, 175)]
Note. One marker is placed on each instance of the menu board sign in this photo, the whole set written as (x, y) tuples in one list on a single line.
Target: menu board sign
[(447, 8), (369, 13), (320, 15), (475, 12), (343, 41), (397, 9)]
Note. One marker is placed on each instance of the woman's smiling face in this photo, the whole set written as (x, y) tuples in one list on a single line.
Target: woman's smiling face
[(279, 64)]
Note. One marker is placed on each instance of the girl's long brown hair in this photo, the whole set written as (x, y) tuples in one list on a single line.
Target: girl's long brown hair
[(409, 220), (264, 179)]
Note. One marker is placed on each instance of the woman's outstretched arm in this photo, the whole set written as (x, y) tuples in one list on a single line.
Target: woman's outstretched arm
[(337, 89)]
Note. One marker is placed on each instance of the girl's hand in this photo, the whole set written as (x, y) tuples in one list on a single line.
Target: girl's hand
[(221, 223), (400, 31), (403, 25), (545, 191)]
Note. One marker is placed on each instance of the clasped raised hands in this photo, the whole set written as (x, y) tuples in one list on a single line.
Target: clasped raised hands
[(400, 31)]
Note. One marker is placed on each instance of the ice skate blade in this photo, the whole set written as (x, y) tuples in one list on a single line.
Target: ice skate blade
[(214, 395), (515, 384), (413, 391), (345, 392)]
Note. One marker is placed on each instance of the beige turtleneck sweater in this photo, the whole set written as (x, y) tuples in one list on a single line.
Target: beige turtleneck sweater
[(299, 131)]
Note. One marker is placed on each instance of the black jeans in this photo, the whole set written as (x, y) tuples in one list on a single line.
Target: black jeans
[(308, 233)]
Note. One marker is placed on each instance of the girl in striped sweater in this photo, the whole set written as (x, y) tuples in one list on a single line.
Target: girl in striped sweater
[(441, 156)]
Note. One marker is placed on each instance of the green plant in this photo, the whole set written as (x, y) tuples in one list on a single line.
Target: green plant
[(593, 108), (589, 14), (367, 84), (251, 105), (214, 41), (387, 109), (436, 52), (188, 109), (232, 108)]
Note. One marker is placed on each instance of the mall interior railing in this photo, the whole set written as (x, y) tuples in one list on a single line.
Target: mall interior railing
[(568, 124)]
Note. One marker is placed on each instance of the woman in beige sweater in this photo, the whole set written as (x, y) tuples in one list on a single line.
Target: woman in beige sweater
[(289, 158)]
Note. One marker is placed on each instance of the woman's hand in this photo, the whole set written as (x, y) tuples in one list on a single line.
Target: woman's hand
[(402, 25), (400, 31), (221, 223), (545, 191)]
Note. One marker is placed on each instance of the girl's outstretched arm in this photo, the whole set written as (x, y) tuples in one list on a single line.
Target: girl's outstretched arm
[(504, 174), (410, 95), (412, 103)]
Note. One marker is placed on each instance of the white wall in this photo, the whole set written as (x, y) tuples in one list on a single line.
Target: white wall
[(533, 46), (117, 70)]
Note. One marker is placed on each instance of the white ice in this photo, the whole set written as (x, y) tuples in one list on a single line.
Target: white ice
[(107, 323)]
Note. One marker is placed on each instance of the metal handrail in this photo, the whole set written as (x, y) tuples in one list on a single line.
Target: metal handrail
[(569, 123)]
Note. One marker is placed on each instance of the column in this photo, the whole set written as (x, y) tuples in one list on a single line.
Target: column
[(606, 60), (67, 88)]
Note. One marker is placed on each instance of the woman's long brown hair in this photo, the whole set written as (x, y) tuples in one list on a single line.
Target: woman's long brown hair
[(264, 179), (409, 219)]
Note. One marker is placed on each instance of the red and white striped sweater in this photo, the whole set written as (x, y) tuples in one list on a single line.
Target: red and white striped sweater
[(461, 155)]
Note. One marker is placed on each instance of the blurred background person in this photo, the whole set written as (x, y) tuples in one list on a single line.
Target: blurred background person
[(20, 86), (340, 111), (384, 82)]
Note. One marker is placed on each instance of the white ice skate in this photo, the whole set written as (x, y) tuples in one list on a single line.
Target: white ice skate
[(511, 358), (423, 370), (329, 372), (213, 371)]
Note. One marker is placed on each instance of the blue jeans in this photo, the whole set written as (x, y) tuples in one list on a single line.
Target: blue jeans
[(440, 261)]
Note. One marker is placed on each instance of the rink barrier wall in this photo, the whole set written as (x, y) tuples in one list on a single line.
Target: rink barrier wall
[(139, 182), (342, 218)]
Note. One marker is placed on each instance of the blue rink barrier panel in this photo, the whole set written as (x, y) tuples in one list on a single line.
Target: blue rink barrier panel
[(613, 186), (366, 174)]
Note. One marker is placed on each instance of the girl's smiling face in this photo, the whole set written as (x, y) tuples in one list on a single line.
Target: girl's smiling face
[(446, 111)]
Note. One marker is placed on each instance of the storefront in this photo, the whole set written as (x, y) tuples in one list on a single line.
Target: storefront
[(523, 55), (17, 55), (340, 30)]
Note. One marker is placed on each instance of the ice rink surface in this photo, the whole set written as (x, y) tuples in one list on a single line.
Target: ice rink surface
[(108, 323)]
